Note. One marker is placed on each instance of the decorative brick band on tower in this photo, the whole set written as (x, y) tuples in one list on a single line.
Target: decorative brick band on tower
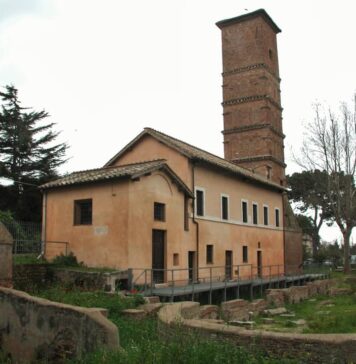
[(253, 134)]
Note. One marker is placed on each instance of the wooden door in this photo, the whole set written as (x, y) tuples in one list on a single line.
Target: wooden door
[(191, 265), (259, 263), (228, 264), (158, 255)]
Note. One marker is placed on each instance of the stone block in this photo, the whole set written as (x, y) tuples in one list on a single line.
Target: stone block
[(335, 291), (275, 311), (246, 324), (152, 299), (275, 297), (257, 306), (134, 313), (313, 289), (102, 311), (296, 294), (209, 312), (235, 310), (151, 308), (190, 310)]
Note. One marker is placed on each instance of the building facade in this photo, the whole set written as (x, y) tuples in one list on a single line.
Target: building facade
[(183, 213)]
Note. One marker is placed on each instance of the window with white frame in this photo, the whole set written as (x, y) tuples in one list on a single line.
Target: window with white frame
[(265, 215), (244, 207), (276, 211), (225, 207), (255, 213)]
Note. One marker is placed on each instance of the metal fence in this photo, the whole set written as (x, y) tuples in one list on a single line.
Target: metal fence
[(26, 236)]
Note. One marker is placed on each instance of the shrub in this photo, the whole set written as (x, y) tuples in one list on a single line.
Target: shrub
[(69, 260)]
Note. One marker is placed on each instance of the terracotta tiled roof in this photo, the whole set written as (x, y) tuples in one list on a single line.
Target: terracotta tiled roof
[(116, 172), (197, 154)]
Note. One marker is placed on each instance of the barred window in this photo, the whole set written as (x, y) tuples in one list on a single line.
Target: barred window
[(159, 211), (83, 212)]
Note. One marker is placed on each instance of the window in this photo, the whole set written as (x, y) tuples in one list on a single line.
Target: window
[(244, 212), (224, 207), (199, 202), (83, 212), (255, 213), (209, 254), (175, 259), (186, 213), (244, 254), (159, 211), (270, 54), (265, 215), (277, 217)]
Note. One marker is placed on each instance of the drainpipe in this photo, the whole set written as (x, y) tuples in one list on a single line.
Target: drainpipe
[(44, 223), (284, 231), (196, 224)]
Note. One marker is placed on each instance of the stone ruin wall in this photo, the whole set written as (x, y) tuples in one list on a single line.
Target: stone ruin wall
[(33, 329), (310, 348), (5, 257)]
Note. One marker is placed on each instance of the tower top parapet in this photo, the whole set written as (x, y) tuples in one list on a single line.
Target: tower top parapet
[(254, 14)]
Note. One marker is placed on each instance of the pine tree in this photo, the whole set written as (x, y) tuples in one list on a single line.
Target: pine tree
[(28, 155)]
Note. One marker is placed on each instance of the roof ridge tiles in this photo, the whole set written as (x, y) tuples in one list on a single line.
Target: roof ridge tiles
[(117, 166)]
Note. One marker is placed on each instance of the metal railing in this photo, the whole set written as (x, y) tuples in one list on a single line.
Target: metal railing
[(178, 277), (189, 281), (26, 236)]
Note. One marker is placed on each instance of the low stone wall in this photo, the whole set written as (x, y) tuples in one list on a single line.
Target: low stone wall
[(32, 329), (308, 348), (296, 294), (95, 281), (31, 276), (5, 257)]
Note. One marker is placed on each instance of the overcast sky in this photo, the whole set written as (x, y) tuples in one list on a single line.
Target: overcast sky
[(106, 69)]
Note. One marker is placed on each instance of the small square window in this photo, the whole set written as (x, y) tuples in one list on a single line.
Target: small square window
[(244, 254), (159, 211), (175, 259), (83, 212), (209, 254)]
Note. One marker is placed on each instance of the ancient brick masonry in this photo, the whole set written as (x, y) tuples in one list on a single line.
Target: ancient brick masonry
[(253, 135)]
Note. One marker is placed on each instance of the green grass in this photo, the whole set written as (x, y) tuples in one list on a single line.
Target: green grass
[(113, 303), (142, 342), (19, 259), (323, 315), (339, 318)]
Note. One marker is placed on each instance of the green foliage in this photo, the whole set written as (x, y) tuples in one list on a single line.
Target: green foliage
[(21, 259), (142, 342), (330, 252), (28, 155), (309, 192), (69, 260), (113, 303)]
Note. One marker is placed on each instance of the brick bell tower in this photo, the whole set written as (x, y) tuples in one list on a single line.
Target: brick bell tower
[(253, 135)]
